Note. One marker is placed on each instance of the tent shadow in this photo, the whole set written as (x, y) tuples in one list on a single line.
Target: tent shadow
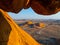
[(5, 30)]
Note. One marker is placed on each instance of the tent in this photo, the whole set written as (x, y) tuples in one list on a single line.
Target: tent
[(11, 33)]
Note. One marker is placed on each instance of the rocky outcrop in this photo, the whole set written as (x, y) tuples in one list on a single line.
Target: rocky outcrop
[(45, 7), (12, 5)]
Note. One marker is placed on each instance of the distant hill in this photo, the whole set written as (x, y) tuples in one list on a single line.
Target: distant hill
[(52, 30)]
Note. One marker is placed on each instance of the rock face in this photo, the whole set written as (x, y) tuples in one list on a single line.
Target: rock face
[(45, 7), (12, 34), (12, 5)]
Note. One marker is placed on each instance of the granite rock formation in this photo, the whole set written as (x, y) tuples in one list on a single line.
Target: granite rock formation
[(45, 7)]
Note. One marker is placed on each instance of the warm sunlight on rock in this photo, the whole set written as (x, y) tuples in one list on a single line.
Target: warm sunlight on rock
[(30, 22), (42, 25)]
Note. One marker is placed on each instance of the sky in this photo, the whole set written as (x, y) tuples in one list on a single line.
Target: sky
[(30, 14)]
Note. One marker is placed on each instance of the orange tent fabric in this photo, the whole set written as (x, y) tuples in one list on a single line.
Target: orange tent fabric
[(12, 34)]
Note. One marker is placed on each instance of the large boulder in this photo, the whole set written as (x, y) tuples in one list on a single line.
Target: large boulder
[(12, 5), (45, 7)]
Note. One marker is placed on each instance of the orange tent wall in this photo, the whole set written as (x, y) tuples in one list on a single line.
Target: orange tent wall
[(16, 36)]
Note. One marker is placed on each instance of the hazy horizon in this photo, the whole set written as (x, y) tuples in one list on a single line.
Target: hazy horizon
[(30, 14)]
